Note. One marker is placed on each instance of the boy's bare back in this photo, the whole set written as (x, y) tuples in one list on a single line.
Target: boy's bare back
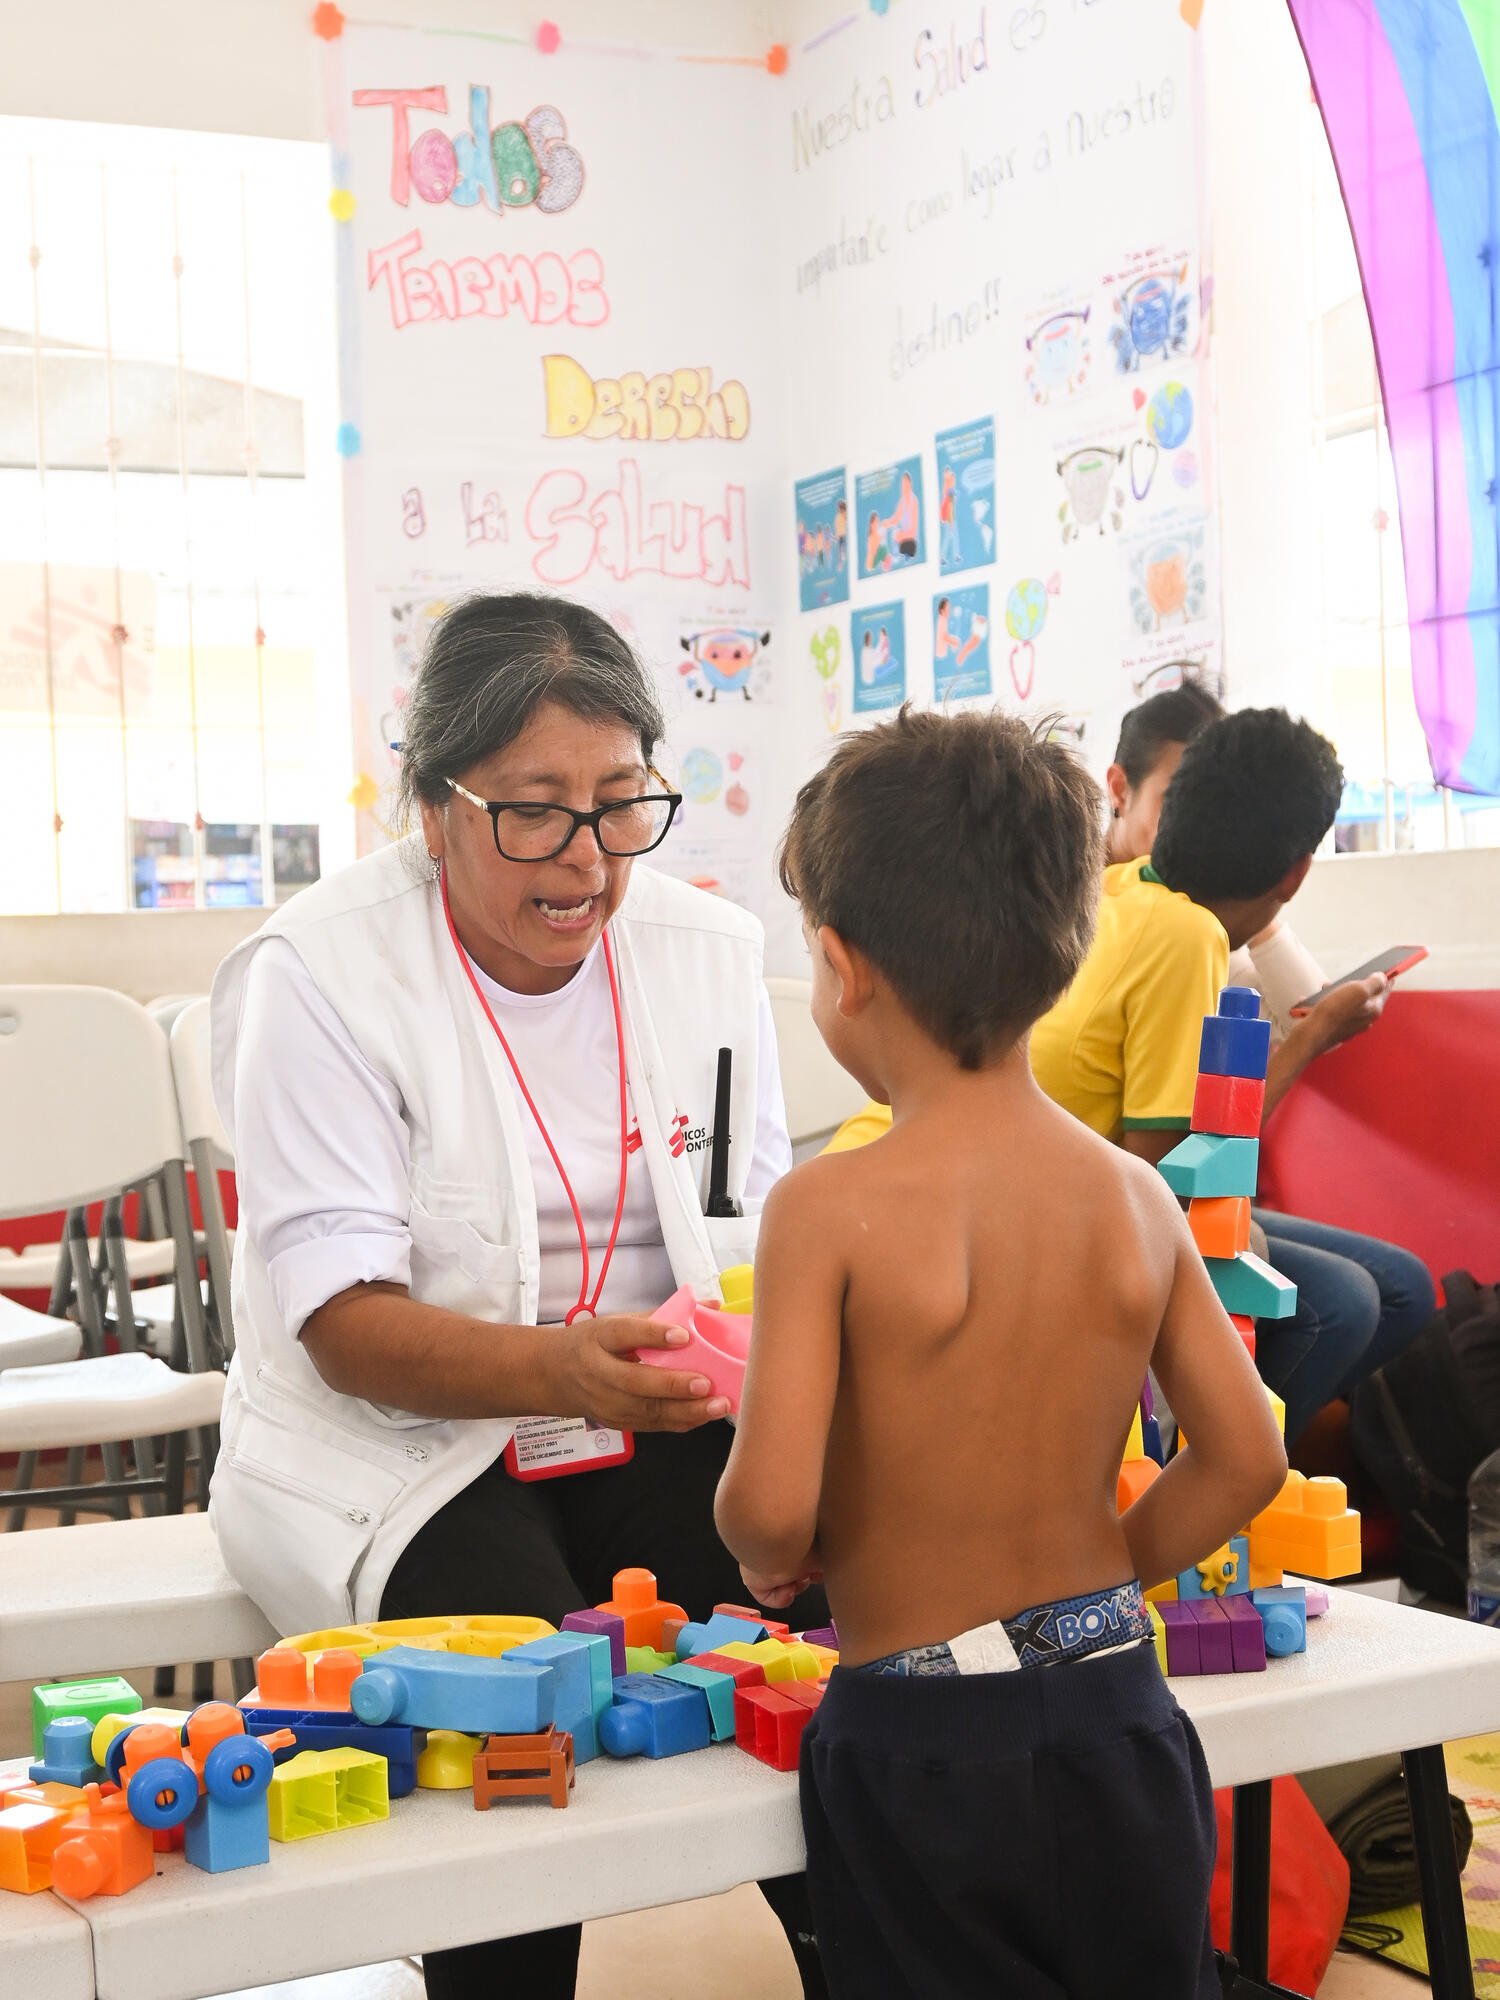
[(1006, 1276)]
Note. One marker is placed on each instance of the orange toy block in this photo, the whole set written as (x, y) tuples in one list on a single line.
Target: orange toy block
[(1220, 1224), (103, 1851), (285, 1680), (30, 1832), (1136, 1474), (635, 1600), (1309, 1528)]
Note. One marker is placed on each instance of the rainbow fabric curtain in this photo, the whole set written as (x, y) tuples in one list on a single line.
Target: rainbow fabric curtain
[(1409, 92)]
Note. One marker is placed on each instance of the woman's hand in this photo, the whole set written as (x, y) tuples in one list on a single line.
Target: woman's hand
[(597, 1377), (776, 1593)]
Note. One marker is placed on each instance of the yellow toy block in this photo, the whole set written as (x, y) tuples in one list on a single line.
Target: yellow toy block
[(779, 1659), (1266, 1572), (108, 1727), (825, 1656), (1278, 1409), (1134, 1445), (447, 1762), (737, 1288), (1310, 1528), (1158, 1634), (488, 1637), (1163, 1593), (323, 1791)]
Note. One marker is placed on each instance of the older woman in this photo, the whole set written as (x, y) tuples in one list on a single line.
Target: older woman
[(471, 1082)]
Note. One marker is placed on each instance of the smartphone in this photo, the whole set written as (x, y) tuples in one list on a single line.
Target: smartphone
[(1400, 958)]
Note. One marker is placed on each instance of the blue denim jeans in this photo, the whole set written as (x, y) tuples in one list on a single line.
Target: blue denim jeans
[(1359, 1303)]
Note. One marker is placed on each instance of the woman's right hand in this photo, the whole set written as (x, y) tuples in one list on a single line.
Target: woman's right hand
[(598, 1377)]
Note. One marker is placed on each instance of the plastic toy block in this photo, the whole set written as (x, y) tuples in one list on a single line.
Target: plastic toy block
[(286, 1679), (773, 1627), (1163, 1593), (718, 1344), (478, 1696), (672, 1630), (575, 1706), (647, 1660), (826, 1636), (1247, 1635), (826, 1658), (768, 1724), (447, 1761), (1215, 1646), (1278, 1409), (1249, 1286), (30, 1831), (21, 1791), (1234, 1047), (1225, 1573), (1208, 1166), (1310, 1528), (601, 1624), (1266, 1567), (487, 1636), (724, 1628), (108, 1727), (1283, 1616), (67, 1753), (538, 1765), (1136, 1474), (1182, 1638), (718, 1689), (1158, 1635), (1244, 1326), (104, 1851), (324, 1791), (655, 1717), (321, 1729), (635, 1600), (1241, 1003), (744, 1673), (1228, 1107), (1220, 1224), (95, 1699), (1151, 1441), (781, 1661), (737, 1289), (1134, 1443), (1317, 1601)]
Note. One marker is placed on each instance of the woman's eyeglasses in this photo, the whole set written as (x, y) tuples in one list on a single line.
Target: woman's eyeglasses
[(527, 830)]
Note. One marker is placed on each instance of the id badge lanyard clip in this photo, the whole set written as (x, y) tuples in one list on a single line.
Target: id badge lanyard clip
[(551, 1447)]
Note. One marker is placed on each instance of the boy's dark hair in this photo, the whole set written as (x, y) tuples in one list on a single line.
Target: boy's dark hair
[(1254, 793), (1174, 716), (961, 855)]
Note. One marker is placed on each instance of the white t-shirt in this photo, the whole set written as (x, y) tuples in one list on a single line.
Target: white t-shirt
[(321, 1148)]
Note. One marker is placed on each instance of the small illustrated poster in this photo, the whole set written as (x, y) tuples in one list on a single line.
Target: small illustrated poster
[(888, 517), (961, 642), (878, 637), (823, 539), (966, 496)]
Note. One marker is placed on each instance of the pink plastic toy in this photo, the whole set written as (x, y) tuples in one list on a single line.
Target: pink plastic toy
[(719, 1347)]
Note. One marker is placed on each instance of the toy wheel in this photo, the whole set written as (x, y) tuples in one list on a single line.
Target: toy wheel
[(376, 1695), (1283, 1633), (114, 1757), (237, 1771), (162, 1794)]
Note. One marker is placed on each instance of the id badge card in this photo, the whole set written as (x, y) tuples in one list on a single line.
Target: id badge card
[(556, 1447)]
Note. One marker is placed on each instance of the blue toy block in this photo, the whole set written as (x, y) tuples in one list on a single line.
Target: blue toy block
[(328, 1729), (1232, 1047), (653, 1717), (1151, 1443), (715, 1632), (1283, 1612), (719, 1688), (570, 1655), (463, 1691), (67, 1754), (230, 1826), (1190, 1585), (1248, 1286), (1207, 1166), (1239, 1003)]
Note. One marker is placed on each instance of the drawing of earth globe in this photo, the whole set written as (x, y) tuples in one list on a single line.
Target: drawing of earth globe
[(1169, 416), (702, 777), (1026, 608)]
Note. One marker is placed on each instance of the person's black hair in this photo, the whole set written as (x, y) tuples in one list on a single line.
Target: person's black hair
[(1174, 716), (1254, 793)]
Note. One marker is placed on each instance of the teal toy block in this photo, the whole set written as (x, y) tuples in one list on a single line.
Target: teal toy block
[(1283, 1612), (95, 1699), (1190, 1586), (719, 1689), (569, 1655), (718, 1631), (1248, 1286), (1203, 1166), (1232, 1047), (463, 1691)]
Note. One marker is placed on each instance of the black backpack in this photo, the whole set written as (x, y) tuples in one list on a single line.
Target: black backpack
[(1424, 1422)]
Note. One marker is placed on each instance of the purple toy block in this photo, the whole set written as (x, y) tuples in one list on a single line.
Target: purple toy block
[(605, 1624), (1247, 1635), (1183, 1652), (825, 1635), (1215, 1646), (1317, 1601)]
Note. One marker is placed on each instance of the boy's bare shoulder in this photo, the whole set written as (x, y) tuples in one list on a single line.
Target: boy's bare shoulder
[(817, 1195)]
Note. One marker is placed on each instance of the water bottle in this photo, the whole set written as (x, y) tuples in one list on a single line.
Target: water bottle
[(1484, 1542)]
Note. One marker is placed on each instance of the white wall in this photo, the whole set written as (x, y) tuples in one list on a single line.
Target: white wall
[(145, 953)]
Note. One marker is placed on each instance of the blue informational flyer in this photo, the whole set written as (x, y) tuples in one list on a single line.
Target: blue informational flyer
[(878, 635), (889, 521), (961, 642), (823, 539), (966, 496)]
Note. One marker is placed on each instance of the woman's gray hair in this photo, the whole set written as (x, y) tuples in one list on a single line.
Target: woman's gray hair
[(489, 664)]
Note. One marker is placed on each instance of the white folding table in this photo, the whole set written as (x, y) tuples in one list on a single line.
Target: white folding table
[(1377, 1677), (46, 1952)]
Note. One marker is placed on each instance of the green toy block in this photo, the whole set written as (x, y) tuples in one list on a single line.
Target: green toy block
[(94, 1699), (1246, 1285), (1210, 1167), (324, 1791), (646, 1660), (720, 1691)]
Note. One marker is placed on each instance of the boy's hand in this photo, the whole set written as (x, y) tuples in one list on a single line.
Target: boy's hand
[(776, 1593), (1348, 1010)]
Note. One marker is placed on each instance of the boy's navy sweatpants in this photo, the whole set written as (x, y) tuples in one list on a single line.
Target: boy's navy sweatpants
[(1042, 1835)]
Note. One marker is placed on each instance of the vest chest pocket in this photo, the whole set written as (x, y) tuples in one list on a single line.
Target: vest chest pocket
[(453, 1266)]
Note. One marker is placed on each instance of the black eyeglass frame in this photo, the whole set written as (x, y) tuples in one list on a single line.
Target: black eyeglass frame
[(593, 820)]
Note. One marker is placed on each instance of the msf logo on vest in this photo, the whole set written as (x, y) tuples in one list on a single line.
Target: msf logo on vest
[(682, 1137)]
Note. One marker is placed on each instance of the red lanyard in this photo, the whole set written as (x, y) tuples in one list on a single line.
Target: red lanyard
[(585, 1305)]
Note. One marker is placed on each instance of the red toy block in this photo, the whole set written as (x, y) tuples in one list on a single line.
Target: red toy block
[(752, 1617), (744, 1673), (768, 1723), (636, 1602), (1247, 1635), (1220, 1224), (1215, 1644), (1228, 1107), (1245, 1328)]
